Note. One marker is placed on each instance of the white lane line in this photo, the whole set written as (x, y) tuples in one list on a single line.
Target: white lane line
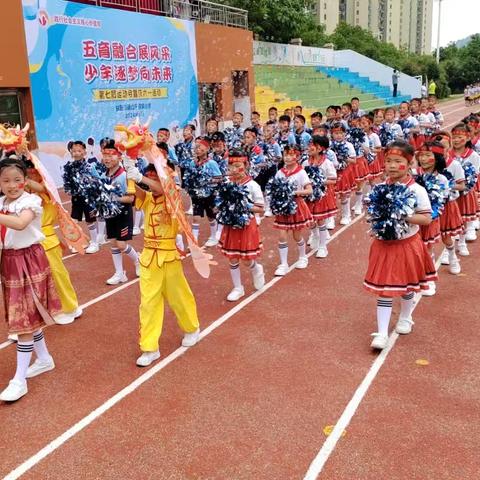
[(92, 416), (323, 455)]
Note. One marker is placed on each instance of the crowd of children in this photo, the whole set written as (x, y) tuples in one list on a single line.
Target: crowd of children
[(301, 175)]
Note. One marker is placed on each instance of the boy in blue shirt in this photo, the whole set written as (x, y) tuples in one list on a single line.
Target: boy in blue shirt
[(285, 136), (302, 138), (234, 134)]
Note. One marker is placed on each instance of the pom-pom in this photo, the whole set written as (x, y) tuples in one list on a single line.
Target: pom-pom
[(318, 182), (234, 205), (197, 182), (282, 196), (386, 134), (436, 192), (470, 176), (388, 206), (356, 136), (73, 174), (101, 195), (341, 150)]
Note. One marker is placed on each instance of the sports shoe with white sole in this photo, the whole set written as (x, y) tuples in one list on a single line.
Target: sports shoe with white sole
[(330, 223), (281, 270), (404, 326), (117, 278), (357, 210), (78, 312), (454, 267), (268, 213), (310, 238), (64, 318), (190, 339), (302, 263), (136, 231), (345, 221), (315, 243), (476, 224), (444, 259), (211, 242), (463, 250), (15, 390), (322, 252), (40, 366), (147, 358), (432, 290), (470, 235), (258, 276), (379, 341), (236, 294), (92, 248)]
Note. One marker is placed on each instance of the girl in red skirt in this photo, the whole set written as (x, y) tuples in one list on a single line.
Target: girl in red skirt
[(347, 158), (29, 294), (243, 243), (467, 202), (301, 219), (431, 160), (326, 206), (399, 268)]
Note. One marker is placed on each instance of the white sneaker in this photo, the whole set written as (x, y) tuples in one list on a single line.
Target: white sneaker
[(404, 326), (137, 269), (302, 263), (73, 250), (432, 290), (454, 266), (40, 366), (117, 278), (236, 294), (330, 223), (476, 224), (211, 242), (102, 239), (268, 213), (92, 248), (315, 243), (379, 341), (190, 339), (444, 259), (136, 231), (13, 337), (78, 312), (357, 210), (281, 270), (64, 318), (346, 221), (470, 235), (14, 391), (322, 252), (463, 250), (310, 238), (258, 277), (147, 358)]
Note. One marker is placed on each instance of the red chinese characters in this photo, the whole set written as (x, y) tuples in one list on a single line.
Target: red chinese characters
[(103, 49), (89, 49), (106, 72), (118, 51), (90, 72), (120, 73)]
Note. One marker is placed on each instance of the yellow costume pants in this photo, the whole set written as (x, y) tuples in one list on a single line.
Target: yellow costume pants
[(61, 278), (158, 284)]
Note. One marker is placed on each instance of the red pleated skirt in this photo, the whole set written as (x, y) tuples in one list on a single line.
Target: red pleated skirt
[(451, 222), (241, 243), (381, 160), (375, 169), (29, 294), (397, 267), (301, 219), (346, 179), (477, 190), (468, 206), (362, 171), (431, 233), (326, 207)]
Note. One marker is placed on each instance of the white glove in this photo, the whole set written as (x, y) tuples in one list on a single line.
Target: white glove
[(129, 163), (133, 173)]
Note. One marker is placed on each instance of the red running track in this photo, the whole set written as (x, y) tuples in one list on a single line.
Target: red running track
[(251, 400)]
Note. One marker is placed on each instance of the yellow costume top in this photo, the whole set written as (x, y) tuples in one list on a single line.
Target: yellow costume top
[(49, 220), (160, 231)]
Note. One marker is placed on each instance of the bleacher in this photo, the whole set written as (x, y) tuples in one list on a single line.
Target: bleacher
[(286, 86)]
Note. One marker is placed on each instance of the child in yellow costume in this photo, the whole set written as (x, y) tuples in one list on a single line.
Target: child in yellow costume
[(53, 250), (161, 272)]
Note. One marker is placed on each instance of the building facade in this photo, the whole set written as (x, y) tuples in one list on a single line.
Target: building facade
[(405, 23)]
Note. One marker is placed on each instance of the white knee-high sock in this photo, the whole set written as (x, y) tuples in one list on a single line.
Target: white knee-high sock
[(213, 228), (92, 230), (196, 230), (101, 226), (40, 346), (117, 260), (301, 248), (462, 239), (358, 199), (131, 253), (236, 275), (283, 252), (138, 218), (384, 312), (406, 305), (24, 355), (323, 235)]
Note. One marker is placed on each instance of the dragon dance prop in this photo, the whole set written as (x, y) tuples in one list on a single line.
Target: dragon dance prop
[(137, 141), (13, 139)]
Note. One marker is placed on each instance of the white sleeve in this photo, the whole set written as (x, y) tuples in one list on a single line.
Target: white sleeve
[(423, 202), (458, 173), (414, 122), (351, 150), (376, 141), (303, 179), (475, 159), (28, 202), (256, 193), (330, 170)]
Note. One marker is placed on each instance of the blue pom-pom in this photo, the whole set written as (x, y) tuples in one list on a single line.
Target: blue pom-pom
[(436, 192), (388, 206), (197, 182), (234, 205), (470, 176), (318, 182), (356, 136), (101, 195), (341, 150), (73, 174), (385, 134), (282, 196)]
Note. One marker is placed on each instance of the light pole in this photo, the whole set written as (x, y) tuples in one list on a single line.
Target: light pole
[(438, 30)]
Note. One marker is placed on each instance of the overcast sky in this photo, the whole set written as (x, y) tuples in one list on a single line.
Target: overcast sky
[(459, 19)]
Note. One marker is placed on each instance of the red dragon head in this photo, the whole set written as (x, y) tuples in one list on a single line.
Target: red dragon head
[(134, 139), (13, 139)]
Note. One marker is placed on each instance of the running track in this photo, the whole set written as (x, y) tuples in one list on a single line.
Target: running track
[(252, 399)]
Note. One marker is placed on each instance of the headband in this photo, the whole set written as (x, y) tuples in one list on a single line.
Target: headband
[(203, 142), (431, 148), (237, 159), (460, 132), (401, 153), (111, 151)]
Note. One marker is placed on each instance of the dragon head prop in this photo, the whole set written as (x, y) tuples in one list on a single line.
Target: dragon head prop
[(134, 138), (13, 139)]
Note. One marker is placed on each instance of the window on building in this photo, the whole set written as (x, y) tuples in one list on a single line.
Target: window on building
[(10, 107), (325, 17)]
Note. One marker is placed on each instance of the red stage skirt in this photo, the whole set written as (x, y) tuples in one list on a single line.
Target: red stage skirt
[(298, 221), (397, 267), (375, 169), (241, 243), (346, 179), (381, 160), (468, 206), (29, 294), (431, 233), (362, 172), (477, 190), (451, 222), (326, 207)]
